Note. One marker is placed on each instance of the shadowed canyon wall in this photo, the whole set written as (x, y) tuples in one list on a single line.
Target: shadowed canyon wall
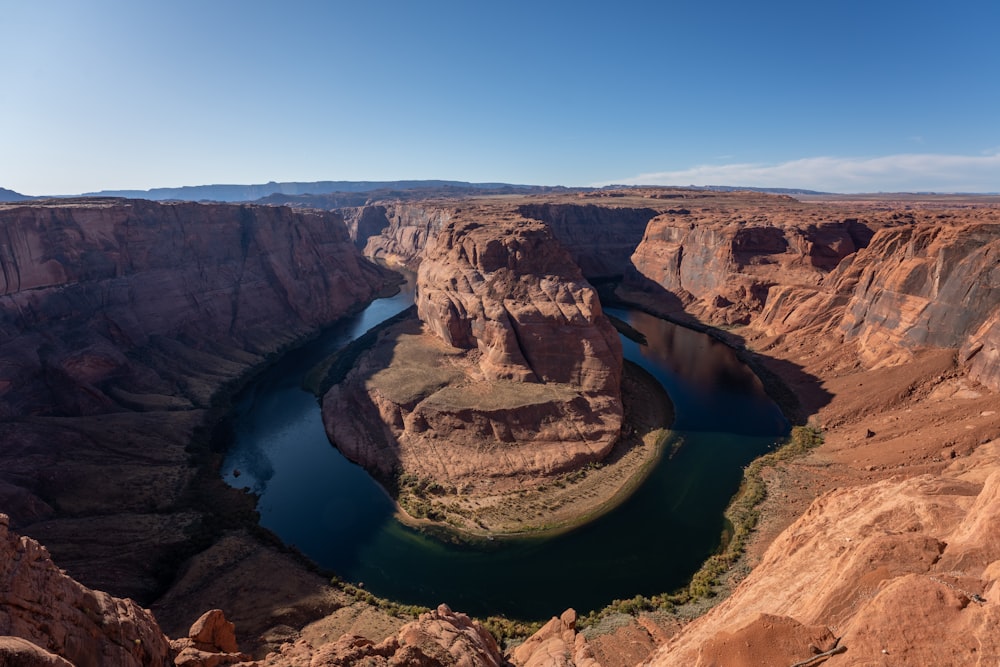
[(119, 323), (599, 238)]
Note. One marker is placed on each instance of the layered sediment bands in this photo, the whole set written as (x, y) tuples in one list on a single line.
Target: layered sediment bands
[(929, 285), (403, 230), (119, 323), (893, 282), (720, 264), (510, 291), (515, 376), (600, 239)]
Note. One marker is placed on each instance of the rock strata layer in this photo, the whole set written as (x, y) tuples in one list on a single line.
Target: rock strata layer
[(895, 282), (515, 375)]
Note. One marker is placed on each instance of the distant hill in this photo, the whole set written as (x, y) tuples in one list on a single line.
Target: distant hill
[(243, 193), (776, 191), (10, 195), (332, 200)]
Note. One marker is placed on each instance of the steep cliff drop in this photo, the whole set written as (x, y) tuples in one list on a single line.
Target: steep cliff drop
[(122, 324), (513, 378)]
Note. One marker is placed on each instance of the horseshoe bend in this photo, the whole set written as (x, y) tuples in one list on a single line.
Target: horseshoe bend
[(501, 405)]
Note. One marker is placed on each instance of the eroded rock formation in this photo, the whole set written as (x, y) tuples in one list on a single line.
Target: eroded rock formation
[(397, 233), (516, 378), (720, 263), (896, 282), (600, 239), (439, 638), (121, 320)]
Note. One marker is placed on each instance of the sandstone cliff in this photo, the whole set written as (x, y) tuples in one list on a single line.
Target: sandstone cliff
[(720, 263), (120, 322), (896, 282), (396, 233), (515, 377), (600, 239)]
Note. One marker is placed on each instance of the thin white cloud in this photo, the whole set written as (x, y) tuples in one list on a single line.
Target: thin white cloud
[(914, 172)]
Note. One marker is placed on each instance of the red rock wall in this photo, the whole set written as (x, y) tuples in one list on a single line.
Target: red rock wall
[(42, 605), (902, 571), (721, 264), (927, 285), (405, 230), (924, 279), (510, 290)]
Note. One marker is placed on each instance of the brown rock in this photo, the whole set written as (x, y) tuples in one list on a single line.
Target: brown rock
[(767, 640), (17, 652), (509, 291), (122, 320), (40, 604), (212, 632), (440, 638), (896, 566), (557, 644), (600, 239)]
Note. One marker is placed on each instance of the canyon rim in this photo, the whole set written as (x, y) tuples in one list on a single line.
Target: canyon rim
[(128, 324)]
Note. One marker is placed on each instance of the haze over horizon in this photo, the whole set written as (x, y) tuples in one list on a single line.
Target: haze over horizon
[(845, 97)]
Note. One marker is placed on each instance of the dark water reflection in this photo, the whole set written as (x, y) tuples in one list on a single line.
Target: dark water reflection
[(332, 510)]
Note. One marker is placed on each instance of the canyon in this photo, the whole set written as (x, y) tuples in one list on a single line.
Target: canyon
[(127, 323)]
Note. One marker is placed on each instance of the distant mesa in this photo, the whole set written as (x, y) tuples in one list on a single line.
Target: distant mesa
[(248, 193), (10, 195)]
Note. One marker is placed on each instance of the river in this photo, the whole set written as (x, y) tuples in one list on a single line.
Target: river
[(332, 510)]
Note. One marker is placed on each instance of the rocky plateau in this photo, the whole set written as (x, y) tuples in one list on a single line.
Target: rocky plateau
[(125, 323)]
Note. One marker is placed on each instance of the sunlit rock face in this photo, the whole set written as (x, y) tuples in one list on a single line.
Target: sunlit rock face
[(514, 375)]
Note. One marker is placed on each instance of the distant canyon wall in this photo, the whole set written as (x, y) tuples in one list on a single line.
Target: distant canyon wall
[(599, 238), (894, 282)]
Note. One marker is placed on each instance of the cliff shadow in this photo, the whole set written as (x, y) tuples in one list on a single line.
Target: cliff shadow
[(798, 393)]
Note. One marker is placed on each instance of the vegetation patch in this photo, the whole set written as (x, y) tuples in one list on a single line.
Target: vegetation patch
[(405, 611), (741, 518)]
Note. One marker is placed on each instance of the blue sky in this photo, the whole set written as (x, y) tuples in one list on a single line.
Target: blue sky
[(841, 96)]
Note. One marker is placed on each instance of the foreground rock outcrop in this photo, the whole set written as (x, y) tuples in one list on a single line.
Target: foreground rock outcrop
[(43, 607), (514, 377), (903, 571), (439, 638)]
